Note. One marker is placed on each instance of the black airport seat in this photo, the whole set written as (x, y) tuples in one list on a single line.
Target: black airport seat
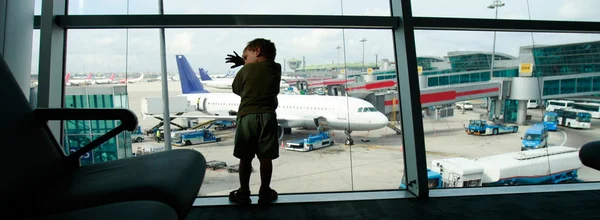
[(39, 180)]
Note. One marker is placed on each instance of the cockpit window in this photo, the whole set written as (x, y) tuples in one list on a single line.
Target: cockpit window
[(367, 109)]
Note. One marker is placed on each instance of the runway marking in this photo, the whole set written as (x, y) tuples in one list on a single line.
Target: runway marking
[(565, 141)]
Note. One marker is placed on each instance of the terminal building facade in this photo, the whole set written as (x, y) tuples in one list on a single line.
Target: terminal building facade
[(541, 72), (77, 133)]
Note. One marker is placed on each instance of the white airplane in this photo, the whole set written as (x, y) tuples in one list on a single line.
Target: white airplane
[(308, 111), (77, 82), (104, 80), (136, 80)]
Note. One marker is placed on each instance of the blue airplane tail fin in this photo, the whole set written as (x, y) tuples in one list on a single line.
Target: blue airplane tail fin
[(190, 84), (204, 74)]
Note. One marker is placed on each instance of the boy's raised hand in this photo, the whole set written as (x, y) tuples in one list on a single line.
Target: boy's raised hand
[(236, 60)]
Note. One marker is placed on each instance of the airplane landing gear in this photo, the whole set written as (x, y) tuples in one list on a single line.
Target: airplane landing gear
[(349, 140)]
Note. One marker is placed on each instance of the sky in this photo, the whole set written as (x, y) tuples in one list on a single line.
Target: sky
[(137, 50)]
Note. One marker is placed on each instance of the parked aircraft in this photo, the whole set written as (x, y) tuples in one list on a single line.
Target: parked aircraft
[(77, 82), (103, 80), (307, 111), (136, 80)]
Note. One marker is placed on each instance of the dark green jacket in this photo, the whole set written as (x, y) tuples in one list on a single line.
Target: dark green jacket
[(258, 86)]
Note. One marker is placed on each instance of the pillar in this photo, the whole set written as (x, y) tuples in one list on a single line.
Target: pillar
[(16, 34), (498, 107), (522, 112), (423, 82)]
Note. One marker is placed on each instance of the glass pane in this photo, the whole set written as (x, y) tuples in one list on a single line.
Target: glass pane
[(584, 84), (315, 78), (112, 7), (552, 87), (557, 10), (456, 114), (596, 83), (567, 86), (312, 7), (100, 64), (37, 7)]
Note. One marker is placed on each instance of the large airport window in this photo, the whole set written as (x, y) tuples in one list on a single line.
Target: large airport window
[(596, 83), (112, 7), (310, 7), (466, 125), (557, 10), (584, 84), (551, 87), (568, 86), (315, 85), (101, 66)]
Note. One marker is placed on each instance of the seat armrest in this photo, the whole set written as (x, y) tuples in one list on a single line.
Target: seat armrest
[(126, 116)]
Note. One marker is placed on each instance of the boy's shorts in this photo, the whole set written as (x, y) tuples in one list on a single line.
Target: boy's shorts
[(256, 134)]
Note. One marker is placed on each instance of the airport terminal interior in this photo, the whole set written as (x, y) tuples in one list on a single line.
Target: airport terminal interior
[(416, 109)]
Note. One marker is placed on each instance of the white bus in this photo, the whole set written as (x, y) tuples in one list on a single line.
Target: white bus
[(592, 108), (556, 104), (574, 118)]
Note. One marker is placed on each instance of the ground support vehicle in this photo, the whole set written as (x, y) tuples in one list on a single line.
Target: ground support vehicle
[(483, 127)]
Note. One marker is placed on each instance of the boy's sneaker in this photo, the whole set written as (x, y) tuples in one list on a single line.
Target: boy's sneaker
[(267, 196), (240, 197)]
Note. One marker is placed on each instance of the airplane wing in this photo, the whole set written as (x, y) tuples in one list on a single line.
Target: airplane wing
[(280, 118)]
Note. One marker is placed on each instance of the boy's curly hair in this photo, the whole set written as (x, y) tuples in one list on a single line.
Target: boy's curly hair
[(267, 48)]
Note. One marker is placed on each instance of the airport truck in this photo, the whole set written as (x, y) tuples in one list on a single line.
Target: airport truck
[(535, 137), (550, 165), (190, 137), (313, 142), (483, 127)]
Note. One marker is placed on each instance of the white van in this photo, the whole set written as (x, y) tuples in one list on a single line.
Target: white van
[(532, 103)]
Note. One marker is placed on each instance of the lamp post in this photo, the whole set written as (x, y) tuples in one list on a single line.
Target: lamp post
[(497, 4), (363, 56)]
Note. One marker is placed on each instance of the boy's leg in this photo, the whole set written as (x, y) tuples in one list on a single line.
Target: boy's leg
[(268, 150), (245, 145)]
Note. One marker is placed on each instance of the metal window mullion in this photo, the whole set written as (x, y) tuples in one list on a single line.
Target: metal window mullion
[(415, 164), (51, 62)]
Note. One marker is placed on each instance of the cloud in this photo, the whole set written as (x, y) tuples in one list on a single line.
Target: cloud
[(585, 10), (181, 43)]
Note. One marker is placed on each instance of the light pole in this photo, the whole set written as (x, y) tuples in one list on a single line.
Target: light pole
[(363, 56), (497, 4)]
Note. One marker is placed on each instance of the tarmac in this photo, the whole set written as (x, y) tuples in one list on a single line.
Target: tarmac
[(374, 165)]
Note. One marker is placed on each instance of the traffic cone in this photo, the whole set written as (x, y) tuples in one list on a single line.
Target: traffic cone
[(282, 145)]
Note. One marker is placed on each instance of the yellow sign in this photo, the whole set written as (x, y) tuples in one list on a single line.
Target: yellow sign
[(370, 71), (420, 68), (525, 68), (342, 71)]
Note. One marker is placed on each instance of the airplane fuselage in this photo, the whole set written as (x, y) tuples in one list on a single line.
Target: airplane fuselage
[(226, 83), (301, 110)]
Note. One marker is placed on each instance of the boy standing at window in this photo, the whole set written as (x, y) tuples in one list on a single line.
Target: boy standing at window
[(257, 83)]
